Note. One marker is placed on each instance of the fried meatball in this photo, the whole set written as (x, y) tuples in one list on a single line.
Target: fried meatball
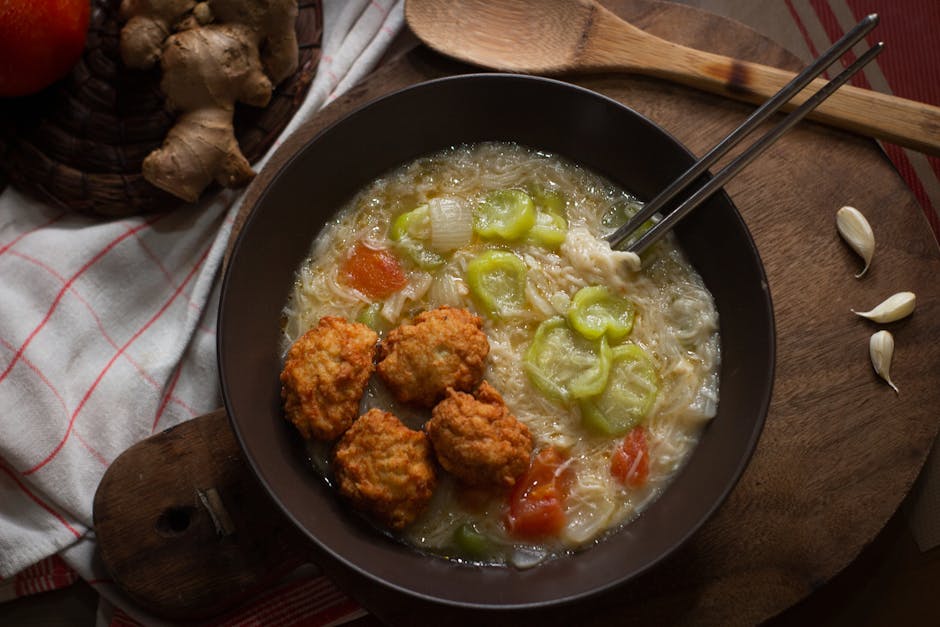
[(325, 375), (385, 468), (477, 439), (442, 348)]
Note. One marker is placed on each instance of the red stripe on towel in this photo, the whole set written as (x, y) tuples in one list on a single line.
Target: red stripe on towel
[(65, 288), (38, 501), (114, 358)]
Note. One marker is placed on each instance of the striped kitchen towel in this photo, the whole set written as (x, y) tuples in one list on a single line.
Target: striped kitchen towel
[(50, 574), (310, 601), (107, 335)]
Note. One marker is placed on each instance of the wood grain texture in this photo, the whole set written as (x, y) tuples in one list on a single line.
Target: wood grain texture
[(839, 450), (161, 543), (577, 36), (613, 44)]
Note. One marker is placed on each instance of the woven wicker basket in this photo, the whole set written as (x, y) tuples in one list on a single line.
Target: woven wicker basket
[(79, 144)]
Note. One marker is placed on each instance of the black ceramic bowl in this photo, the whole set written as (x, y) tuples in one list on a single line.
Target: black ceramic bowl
[(585, 127)]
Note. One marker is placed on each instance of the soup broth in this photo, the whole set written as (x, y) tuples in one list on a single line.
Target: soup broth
[(674, 330)]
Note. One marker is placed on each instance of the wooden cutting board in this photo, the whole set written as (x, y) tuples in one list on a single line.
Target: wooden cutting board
[(839, 452)]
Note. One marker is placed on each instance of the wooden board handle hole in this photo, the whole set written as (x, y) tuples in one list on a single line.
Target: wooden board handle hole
[(175, 521)]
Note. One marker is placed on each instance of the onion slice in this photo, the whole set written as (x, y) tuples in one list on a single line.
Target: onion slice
[(451, 223)]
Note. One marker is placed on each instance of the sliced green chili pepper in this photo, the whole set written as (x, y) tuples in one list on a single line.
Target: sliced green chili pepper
[(595, 311), (550, 200), (471, 543), (421, 256), (549, 230), (415, 224), (408, 232), (497, 280), (630, 392), (371, 317), (504, 214), (565, 366)]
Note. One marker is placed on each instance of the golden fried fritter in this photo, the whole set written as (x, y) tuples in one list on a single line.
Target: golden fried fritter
[(385, 468), (442, 348), (477, 439), (325, 375)]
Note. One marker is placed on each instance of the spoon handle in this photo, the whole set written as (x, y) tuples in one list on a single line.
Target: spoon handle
[(613, 44)]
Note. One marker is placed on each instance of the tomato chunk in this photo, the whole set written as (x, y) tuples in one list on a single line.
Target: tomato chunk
[(375, 272), (630, 463), (537, 502)]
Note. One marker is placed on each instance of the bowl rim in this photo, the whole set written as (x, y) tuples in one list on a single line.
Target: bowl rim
[(257, 467)]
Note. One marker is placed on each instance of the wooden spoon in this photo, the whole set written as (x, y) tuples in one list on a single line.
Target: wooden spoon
[(566, 36)]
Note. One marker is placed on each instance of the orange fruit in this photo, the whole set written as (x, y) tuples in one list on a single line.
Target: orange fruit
[(40, 41)]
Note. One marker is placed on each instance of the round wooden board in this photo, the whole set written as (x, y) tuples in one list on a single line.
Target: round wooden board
[(840, 450)]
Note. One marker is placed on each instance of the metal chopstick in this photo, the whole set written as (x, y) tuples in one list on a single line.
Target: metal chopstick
[(725, 174), (759, 115)]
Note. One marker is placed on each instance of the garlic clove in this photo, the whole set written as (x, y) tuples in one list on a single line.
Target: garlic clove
[(893, 308), (881, 350), (855, 230)]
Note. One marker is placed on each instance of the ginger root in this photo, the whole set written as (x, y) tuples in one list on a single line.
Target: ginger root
[(276, 21), (223, 52), (149, 23)]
